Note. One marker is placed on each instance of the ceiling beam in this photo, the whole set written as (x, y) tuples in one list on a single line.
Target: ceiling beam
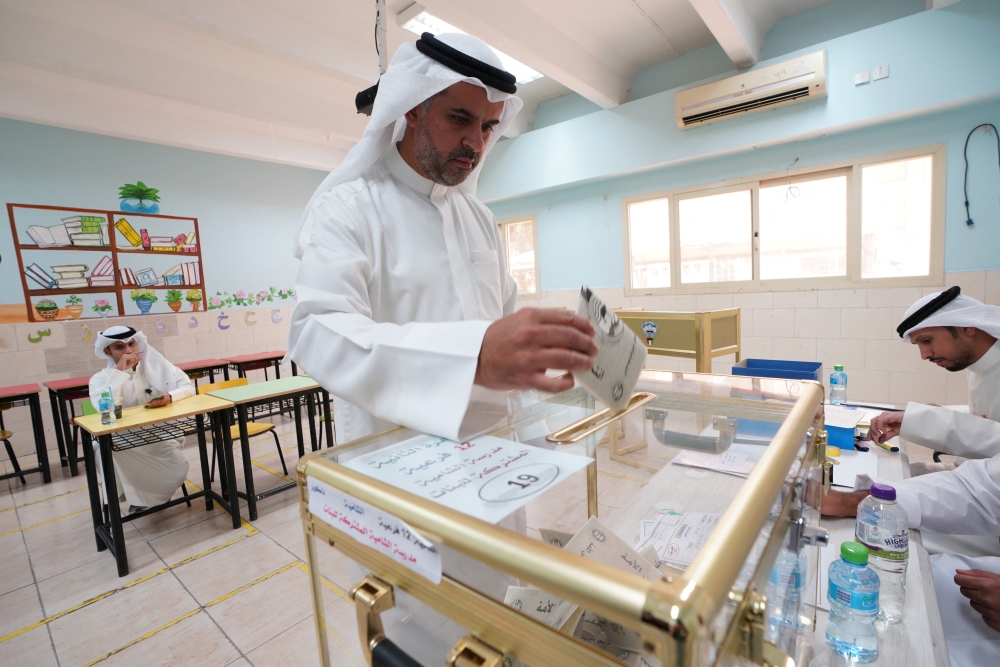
[(732, 24), (519, 31), (940, 4)]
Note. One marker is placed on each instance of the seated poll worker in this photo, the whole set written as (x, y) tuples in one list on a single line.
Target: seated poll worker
[(965, 500), (956, 332), (405, 308), (137, 374)]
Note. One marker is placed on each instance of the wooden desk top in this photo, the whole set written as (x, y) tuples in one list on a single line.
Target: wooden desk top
[(19, 390), (257, 356), (142, 416), (264, 390), (201, 365), (70, 383)]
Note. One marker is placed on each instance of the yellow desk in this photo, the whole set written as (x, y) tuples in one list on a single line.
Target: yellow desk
[(137, 427), (701, 336)]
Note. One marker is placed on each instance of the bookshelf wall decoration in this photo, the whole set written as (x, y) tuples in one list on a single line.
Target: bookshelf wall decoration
[(99, 257)]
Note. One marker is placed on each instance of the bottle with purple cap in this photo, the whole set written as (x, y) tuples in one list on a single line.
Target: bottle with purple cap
[(882, 526)]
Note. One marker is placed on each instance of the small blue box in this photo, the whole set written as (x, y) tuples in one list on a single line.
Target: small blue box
[(776, 368), (840, 437)]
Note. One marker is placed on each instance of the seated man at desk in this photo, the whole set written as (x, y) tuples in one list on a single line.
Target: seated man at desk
[(955, 332), (965, 500), (137, 374)]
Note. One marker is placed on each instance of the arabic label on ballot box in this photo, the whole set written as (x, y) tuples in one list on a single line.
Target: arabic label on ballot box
[(374, 528), (487, 478)]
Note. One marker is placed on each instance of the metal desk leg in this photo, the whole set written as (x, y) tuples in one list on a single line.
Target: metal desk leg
[(311, 409), (295, 370), (58, 422), (206, 482), (299, 440), (227, 461), (64, 425), (114, 510), (225, 372), (247, 466), (93, 488), (330, 442), (277, 369), (39, 429)]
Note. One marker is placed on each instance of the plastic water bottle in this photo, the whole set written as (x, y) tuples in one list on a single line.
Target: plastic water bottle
[(882, 526), (853, 597), (838, 385), (107, 407), (784, 596)]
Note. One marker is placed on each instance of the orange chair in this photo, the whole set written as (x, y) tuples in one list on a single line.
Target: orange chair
[(253, 428)]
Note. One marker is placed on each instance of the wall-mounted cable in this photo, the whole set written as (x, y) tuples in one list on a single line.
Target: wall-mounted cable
[(965, 153)]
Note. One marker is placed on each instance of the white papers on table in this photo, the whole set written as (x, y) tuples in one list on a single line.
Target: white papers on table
[(835, 415), (738, 460), (676, 539), (374, 528), (854, 463), (487, 478)]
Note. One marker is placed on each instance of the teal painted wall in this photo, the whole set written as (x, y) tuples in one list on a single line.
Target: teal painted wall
[(580, 228), (247, 210)]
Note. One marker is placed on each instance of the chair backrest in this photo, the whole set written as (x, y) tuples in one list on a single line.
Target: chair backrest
[(228, 384), (88, 407)]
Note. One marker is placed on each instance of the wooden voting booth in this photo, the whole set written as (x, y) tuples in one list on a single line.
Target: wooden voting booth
[(701, 336)]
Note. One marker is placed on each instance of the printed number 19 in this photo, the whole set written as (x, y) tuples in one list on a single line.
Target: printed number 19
[(524, 478)]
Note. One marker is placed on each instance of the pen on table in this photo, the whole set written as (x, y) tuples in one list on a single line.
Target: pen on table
[(886, 446), (860, 447)]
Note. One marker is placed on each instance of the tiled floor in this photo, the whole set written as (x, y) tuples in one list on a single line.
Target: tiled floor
[(199, 593)]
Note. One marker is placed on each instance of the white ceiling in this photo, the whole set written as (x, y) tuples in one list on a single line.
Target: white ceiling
[(276, 79)]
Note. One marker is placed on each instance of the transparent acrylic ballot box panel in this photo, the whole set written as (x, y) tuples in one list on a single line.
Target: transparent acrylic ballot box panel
[(657, 551)]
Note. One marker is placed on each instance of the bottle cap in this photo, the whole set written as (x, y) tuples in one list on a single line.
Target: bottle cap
[(854, 552), (883, 491), (838, 367), (833, 451)]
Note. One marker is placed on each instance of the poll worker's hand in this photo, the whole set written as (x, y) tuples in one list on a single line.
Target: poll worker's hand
[(983, 590), (839, 504), (519, 348), (160, 401), (128, 360), (885, 426)]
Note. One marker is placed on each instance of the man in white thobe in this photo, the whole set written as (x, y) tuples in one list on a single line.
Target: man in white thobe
[(955, 332), (965, 500), (137, 374), (405, 307)]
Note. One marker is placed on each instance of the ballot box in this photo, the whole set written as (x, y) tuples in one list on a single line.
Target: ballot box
[(531, 546), (701, 336)]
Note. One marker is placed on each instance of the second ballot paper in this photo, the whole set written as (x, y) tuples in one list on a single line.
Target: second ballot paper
[(622, 355)]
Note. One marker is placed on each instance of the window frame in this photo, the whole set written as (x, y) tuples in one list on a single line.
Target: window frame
[(853, 280), (501, 224)]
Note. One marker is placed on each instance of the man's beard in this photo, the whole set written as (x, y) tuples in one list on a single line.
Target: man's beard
[(436, 166), (964, 357)]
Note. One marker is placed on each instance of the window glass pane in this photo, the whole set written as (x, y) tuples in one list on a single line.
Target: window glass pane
[(803, 229), (649, 236), (521, 255), (896, 218), (715, 238)]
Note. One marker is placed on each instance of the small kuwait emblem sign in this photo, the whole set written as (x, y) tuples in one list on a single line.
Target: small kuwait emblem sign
[(649, 330)]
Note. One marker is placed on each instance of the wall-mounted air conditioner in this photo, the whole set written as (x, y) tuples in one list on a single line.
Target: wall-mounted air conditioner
[(790, 82)]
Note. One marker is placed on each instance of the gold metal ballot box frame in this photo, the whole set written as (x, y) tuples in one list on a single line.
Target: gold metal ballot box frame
[(711, 609), (701, 336)]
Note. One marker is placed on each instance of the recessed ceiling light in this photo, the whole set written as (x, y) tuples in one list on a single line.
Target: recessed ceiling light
[(424, 22)]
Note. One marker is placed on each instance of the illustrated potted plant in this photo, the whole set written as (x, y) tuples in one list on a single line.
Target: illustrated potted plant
[(139, 198), (173, 299), (144, 299), (194, 298), (102, 306), (47, 309), (74, 306)]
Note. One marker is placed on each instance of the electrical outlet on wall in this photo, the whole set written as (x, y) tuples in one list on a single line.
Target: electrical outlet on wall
[(880, 72), (861, 77)]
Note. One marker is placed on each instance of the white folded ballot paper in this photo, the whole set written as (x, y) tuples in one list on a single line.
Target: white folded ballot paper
[(622, 355)]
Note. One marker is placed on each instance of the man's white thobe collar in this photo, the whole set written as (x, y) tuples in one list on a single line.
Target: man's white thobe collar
[(988, 361), (407, 175)]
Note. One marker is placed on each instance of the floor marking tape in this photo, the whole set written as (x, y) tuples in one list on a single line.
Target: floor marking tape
[(631, 479), (145, 636), (252, 583), (42, 523), (243, 522), (35, 502), (264, 467), (329, 585)]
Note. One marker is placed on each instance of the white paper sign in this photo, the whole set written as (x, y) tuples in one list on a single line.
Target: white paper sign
[(374, 528), (835, 415), (851, 464), (487, 478), (738, 460)]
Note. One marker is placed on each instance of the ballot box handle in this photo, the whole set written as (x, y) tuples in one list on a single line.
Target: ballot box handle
[(387, 654)]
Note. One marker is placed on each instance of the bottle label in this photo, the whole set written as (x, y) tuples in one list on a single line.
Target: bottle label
[(793, 579), (854, 599), (882, 543), (838, 381)]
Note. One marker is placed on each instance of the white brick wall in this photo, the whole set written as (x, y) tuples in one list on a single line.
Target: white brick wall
[(856, 328)]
